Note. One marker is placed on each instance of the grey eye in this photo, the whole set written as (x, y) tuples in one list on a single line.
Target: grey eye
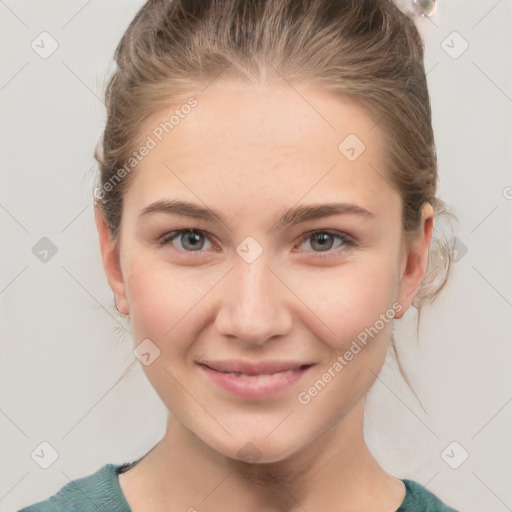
[(322, 241), (191, 240)]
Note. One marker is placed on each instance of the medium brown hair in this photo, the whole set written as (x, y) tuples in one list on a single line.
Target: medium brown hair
[(367, 50)]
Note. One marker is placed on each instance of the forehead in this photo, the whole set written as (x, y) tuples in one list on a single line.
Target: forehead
[(240, 143)]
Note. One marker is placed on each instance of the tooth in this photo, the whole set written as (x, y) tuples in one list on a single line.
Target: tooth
[(262, 376)]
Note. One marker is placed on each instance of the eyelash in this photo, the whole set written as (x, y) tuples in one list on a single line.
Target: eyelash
[(348, 241)]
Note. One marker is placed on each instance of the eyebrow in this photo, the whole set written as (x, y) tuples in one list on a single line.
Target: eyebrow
[(293, 216)]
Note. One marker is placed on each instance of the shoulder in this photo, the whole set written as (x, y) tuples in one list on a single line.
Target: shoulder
[(420, 499), (99, 491)]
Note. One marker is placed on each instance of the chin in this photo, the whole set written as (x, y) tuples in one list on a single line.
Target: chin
[(256, 449)]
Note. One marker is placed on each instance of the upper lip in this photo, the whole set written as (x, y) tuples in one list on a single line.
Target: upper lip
[(248, 368)]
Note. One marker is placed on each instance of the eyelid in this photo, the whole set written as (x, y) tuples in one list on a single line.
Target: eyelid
[(341, 234), (348, 241), (170, 236)]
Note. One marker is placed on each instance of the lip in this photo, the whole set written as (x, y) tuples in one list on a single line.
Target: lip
[(254, 380)]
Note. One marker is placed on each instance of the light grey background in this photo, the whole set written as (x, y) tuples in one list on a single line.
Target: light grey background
[(60, 356)]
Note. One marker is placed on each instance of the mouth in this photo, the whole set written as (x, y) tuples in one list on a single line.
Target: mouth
[(246, 368), (254, 380)]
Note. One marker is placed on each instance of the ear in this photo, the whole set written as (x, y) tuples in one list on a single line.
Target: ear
[(414, 261), (111, 262)]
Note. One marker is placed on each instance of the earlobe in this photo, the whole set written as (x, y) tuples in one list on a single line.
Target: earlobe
[(111, 262), (415, 262)]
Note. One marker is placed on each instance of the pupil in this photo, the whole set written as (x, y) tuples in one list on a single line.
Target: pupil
[(193, 239), (322, 237)]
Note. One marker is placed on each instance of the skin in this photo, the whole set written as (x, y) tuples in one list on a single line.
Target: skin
[(251, 153)]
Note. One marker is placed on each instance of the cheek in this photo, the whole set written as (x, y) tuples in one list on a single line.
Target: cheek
[(168, 303), (165, 306), (158, 300), (357, 304), (349, 298)]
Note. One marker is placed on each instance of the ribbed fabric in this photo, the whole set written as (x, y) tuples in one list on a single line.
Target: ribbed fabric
[(420, 499), (101, 492)]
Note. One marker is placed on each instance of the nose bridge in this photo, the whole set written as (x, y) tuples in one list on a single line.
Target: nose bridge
[(253, 307), (252, 286)]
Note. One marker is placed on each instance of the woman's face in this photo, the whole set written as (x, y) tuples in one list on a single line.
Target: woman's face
[(296, 256)]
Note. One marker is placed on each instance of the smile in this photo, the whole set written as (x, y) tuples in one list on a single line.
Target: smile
[(254, 381)]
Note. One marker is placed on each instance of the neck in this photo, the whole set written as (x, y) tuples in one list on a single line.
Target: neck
[(336, 469)]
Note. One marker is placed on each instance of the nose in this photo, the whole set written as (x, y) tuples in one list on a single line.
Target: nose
[(254, 304)]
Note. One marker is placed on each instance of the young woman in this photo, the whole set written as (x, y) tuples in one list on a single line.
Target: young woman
[(265, 210)]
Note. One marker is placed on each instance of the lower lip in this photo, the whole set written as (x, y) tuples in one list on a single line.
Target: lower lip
[(256, 386)]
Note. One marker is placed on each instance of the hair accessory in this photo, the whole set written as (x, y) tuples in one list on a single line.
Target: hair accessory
[(425, 8)]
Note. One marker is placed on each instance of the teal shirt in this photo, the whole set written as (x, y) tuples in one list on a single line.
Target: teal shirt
[(101, 492)]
